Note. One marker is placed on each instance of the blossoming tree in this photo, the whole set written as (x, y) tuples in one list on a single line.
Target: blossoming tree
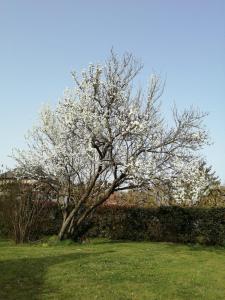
[(195, 182), (104, 136)]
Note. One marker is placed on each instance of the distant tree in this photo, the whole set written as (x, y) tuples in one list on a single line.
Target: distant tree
[(197, 181), (139, 198), (104, 136)]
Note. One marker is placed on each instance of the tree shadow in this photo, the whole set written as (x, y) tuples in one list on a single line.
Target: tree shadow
[(209, 248), (23, 279), (179, 247)]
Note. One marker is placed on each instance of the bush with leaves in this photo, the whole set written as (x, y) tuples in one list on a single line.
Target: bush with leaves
[(23, 209)]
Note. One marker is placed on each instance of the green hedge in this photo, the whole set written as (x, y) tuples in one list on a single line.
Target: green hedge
[(169, 224)]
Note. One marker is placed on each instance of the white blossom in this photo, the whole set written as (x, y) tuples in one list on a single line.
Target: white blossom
[(102, 131)]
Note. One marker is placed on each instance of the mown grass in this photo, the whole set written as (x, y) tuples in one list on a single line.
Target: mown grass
[(111, 270)]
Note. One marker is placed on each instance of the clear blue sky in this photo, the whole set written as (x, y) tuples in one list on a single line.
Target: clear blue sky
[(41, 42)]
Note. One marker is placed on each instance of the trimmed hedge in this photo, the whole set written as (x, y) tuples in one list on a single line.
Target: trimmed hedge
[(164, 224), (169, 224)]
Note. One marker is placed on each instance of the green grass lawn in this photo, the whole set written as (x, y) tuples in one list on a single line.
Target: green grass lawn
[(107, 270)]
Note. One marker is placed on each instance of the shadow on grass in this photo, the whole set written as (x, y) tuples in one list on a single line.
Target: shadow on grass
[(108, 241), (174, 247), (208, 248), (23, 279), (177, 247)]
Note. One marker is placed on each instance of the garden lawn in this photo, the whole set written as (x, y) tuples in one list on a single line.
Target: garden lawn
[(111, 270)]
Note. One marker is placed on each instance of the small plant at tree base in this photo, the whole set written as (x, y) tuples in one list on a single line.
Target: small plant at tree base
[(103, 137)]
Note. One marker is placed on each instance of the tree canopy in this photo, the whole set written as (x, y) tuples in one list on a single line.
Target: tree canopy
[(105, 136)]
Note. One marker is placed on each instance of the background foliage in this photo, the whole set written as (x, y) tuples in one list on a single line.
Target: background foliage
[(166, 223), (127, 216)]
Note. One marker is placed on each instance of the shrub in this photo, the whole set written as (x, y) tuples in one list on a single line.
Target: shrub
[(169, 223), (165, 224), (22, 211)]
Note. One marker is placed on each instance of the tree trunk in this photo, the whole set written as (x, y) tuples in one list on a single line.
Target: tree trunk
[(68, 225), (62, 232), (65, 224)]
